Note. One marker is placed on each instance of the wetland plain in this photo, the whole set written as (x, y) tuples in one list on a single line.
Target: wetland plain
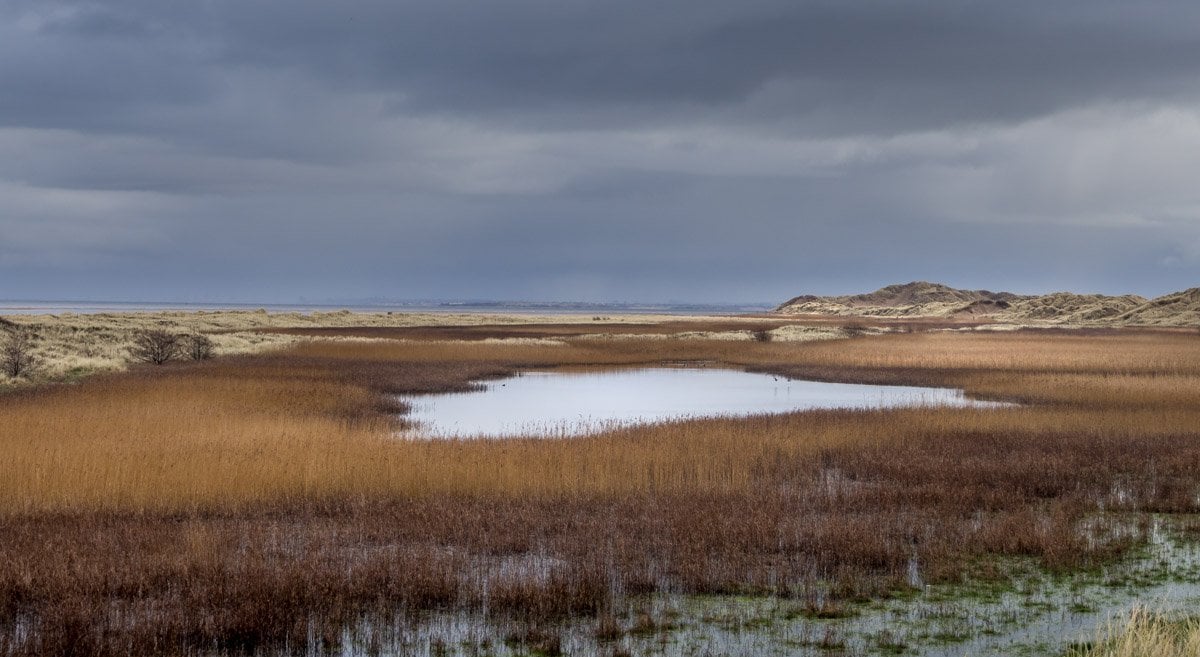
[(261, 503)]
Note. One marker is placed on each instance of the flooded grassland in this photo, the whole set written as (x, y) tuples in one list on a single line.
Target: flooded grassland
[(278, 503), (1028, 611)]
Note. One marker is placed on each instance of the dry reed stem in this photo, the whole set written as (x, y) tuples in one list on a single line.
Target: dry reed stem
[(1147, 634)]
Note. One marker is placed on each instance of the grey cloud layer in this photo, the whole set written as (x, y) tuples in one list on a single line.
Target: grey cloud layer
[(677, 149), (852, 66)]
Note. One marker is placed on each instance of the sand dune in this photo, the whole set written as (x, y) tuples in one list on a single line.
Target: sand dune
[(1178, 309), (924, 299)]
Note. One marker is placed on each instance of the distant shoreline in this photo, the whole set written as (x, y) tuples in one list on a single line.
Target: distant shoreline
[(44, 307)]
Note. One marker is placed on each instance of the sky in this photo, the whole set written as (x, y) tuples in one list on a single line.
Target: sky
[(595, 150)]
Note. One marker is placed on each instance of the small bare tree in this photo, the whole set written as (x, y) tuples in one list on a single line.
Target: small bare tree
[(155, 346), (198, 347), (16, 354)]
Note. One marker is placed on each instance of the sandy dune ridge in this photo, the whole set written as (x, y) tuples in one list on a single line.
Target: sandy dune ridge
[(924, 299)]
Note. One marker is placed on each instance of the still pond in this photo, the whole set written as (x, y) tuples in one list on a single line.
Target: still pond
[(578, 403)]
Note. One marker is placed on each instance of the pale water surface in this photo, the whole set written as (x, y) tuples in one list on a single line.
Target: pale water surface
[(572, 403)]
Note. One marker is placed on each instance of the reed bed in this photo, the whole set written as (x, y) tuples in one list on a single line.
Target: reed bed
[(238, 504)]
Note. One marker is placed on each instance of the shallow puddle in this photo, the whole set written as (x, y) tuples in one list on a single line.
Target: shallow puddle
[(571, 403), (1034, 615)]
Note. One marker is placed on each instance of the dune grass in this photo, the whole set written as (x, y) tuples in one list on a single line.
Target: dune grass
[(69, 346), (235, 503), (1146, 634)]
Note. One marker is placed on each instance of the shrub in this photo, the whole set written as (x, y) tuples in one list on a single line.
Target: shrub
[(855, 329), (198, 347), (16, 355), (155, 346)]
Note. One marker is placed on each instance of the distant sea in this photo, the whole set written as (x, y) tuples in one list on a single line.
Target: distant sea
[(50, 307)]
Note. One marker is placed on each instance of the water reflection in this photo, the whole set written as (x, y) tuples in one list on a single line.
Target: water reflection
[(563, 403)]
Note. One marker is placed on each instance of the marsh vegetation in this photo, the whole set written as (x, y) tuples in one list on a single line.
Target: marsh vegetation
[(260, 503)]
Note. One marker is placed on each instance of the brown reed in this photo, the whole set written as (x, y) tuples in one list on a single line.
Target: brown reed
[(237, 504)]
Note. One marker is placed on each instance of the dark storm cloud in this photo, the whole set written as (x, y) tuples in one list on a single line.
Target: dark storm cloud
[(855, 65), (615, 149)]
